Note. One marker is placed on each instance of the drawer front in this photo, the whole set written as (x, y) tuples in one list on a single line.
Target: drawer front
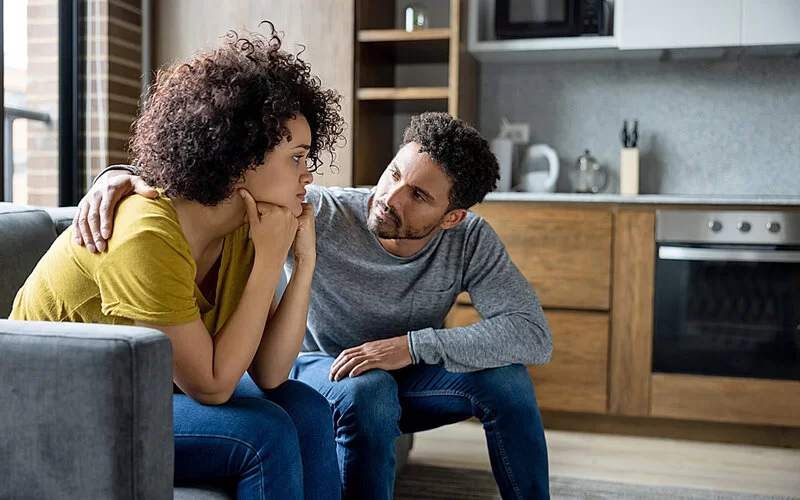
[(564, 253), (726, 399), (576, 377)]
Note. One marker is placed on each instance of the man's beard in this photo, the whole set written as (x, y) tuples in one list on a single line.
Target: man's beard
[(391, 229)]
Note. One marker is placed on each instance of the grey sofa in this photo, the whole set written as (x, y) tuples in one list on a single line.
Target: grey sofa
[(85, 410)]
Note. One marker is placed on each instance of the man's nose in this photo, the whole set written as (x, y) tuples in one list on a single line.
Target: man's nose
[(394, 197)]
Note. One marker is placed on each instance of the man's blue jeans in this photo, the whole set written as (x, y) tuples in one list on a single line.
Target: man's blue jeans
[(274, 444), (370, 411)]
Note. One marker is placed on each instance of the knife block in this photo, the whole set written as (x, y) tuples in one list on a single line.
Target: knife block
[(629, 171)]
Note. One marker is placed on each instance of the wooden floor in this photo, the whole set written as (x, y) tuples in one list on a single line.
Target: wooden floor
[(653, 461)]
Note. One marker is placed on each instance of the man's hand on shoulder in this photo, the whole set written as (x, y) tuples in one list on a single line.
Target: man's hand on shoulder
[(94, 218), (387, 354)]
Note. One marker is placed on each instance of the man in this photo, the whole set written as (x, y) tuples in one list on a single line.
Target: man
[(390, 263)]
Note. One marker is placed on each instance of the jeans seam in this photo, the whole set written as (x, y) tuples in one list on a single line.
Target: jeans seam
[(503, 455), (238, 441)]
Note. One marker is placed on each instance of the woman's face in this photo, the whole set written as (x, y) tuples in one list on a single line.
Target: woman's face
[(282, 177)]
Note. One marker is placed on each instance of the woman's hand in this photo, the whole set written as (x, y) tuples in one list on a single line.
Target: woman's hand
[(305, 242), (272, 228)]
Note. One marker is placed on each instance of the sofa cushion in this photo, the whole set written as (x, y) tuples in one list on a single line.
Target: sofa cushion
[(27, 233)]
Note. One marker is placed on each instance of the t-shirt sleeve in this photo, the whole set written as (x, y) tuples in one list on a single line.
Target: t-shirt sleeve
[(148, 277)]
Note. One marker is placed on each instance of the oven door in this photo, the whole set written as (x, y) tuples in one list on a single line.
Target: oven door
[(727, 310), (535, 18)]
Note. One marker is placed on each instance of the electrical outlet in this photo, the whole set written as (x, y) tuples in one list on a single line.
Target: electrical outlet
[(519, 133)]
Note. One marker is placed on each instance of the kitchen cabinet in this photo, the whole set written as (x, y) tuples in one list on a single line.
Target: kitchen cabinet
[(564, 253), (725, 399), (593, 268), (655, 24), (633, 284), (770, 22)]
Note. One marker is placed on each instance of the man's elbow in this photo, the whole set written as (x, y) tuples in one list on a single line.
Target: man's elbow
[(540, 344)]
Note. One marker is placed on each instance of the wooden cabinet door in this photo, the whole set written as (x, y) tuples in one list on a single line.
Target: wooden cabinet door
[(565, 253), (770, 22), (575, 379), (656, 24), (726, 399)]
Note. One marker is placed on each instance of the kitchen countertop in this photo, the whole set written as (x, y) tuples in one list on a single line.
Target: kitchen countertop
[(647, 199)]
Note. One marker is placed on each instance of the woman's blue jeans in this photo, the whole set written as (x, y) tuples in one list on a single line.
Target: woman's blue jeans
[(264, 444)]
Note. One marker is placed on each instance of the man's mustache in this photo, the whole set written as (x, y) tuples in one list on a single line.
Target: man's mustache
[(389, 212)]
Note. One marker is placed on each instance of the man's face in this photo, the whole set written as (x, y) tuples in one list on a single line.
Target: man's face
[(411, 198)]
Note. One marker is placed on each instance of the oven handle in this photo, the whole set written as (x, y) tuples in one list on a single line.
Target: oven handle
[(728, 255)]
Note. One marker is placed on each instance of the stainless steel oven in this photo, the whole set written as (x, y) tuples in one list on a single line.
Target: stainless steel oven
[(727, 294)]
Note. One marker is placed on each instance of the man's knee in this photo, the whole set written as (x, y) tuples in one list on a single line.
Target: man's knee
[(507, 388), (369, 404)]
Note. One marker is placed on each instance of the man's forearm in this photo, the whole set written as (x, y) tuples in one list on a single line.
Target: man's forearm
[(499, 341)]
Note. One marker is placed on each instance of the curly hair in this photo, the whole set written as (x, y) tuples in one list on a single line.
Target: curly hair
[(462, 153), (208, 121)]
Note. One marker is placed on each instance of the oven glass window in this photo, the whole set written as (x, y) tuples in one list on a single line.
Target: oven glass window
[(537, 11), (728, 318)]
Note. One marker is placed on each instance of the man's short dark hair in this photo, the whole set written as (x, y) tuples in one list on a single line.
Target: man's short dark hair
[(210, 120), (461, 151)]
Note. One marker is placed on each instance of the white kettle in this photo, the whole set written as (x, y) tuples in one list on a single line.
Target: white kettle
[(532, 178)]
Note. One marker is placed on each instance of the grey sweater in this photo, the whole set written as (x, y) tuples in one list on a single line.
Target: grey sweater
[(360, 292)]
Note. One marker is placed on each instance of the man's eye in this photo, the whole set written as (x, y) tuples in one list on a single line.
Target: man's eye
[(419, 196)]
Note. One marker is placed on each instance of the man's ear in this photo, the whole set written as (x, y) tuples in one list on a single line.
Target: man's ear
[(453, 218)]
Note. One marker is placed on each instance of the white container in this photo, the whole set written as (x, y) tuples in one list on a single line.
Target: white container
[(505, 151), (629, 172)]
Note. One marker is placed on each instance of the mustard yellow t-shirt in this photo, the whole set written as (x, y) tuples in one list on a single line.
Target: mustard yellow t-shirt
[(146, 274)]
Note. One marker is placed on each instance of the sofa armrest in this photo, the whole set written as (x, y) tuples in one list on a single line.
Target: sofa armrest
[(85, 411)]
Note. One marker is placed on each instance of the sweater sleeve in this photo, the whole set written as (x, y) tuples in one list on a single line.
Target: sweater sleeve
[(513, 327)]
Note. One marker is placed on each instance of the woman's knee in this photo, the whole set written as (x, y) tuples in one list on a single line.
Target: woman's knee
[(308, 409), (268, 430)]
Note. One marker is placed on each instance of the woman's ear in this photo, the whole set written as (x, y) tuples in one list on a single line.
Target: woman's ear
[(453, 218)]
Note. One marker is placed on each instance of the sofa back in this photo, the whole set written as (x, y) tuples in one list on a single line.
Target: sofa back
[(26, 233)]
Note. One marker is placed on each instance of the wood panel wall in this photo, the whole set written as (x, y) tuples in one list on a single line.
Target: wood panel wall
[(326, 28)]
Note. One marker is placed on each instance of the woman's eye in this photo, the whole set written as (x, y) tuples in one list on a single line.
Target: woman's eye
[(395, 174)]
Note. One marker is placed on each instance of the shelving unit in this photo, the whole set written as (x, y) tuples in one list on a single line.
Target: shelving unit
[(399, 74)]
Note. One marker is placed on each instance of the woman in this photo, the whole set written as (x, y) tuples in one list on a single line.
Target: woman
[(231, 139)]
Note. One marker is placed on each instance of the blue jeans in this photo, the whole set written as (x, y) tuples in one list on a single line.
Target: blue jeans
[(370, 411), (273, 444)]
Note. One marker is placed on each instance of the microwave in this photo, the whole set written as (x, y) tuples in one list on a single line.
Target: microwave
[(548, 18)]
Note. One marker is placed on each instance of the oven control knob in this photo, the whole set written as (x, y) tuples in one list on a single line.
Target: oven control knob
[(744, 226), (773, 227), (715, 226)]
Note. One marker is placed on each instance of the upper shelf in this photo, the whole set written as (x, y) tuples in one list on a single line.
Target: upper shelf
[(403, 35), (407, 93)]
